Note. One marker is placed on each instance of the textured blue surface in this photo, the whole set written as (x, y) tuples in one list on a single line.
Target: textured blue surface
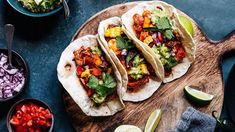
[(41, 40)]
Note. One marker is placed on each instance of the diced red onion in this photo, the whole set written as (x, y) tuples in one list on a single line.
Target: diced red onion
[(124, 52), (11, 80), (172, 53), (157, 42), (154, 35), (86, 66)]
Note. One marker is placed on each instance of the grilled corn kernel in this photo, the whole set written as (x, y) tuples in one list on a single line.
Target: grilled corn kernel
[(148, 40), (86, 73), (113, 32), (113, 45), (144, 69)]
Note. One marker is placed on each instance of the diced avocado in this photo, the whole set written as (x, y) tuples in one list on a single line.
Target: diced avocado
[(137, 60), (161, 51), (98, 99), (156, 51), (96, 50), (163, 60), (136, 73)]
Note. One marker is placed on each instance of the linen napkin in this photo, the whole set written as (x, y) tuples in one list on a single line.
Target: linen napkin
[(195, 121)]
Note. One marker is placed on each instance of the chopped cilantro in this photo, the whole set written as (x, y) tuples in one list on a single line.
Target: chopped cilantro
[(124, 43), (96, 50), (105, 88), (163, 23), (168, 34)]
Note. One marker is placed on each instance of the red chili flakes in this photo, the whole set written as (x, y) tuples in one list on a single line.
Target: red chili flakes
[(30, 117)]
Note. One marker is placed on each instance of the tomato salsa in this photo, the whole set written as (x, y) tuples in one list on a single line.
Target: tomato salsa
[(155, 29), (30, 117)]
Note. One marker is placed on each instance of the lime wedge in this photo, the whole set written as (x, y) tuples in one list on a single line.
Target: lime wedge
[(127, 128), (153, 121), (197, 96), (187, 24)]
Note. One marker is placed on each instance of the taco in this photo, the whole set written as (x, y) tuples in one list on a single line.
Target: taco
[(91, 78), (155, 25), (136, 65)]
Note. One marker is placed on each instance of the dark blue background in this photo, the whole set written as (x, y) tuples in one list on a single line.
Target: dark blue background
[(41, 40)]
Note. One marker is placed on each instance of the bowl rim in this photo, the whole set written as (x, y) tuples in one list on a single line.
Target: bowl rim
[(26, 75), (44, 14), (34, 100)]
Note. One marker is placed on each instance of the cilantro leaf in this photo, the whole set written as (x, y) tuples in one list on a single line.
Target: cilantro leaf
[(130, 56), (163, 23), (120, 42), (109, 81), (93, 82), (124, 43), (168, 34), (96, 50), (171, 62)]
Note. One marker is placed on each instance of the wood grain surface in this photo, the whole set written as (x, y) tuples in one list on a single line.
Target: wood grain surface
[(205, 73)]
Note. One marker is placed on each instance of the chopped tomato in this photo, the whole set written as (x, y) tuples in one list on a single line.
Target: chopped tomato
[(180, 54), (21, 129), (143, 35), (137, 28), (160, 36), (79, 70), (14, 120), (138, 19), (96, 72), (30, 117)]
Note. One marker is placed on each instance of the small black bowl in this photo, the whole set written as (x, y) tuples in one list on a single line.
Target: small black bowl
[(18, 62), (23, 101)]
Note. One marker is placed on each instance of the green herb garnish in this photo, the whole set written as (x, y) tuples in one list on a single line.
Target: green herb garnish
[(163, 23), (171, 62), (130, 56), (96, 50), (103, 89), (124, 43), (168, 34)]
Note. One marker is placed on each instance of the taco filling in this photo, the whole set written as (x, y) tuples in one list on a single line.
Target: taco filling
[(138, 70), (155, 29), (95, 74)]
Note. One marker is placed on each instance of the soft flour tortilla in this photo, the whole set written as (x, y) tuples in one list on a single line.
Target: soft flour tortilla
[(146, 90), (187, 40), (66, 72)]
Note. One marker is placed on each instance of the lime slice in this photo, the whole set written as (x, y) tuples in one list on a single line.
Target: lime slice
[(153, 121), (187, 24), (127, 128), (197, 96)]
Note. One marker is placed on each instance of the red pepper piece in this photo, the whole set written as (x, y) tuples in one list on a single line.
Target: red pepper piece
[(79, 70), (96, 72), (160, 36)]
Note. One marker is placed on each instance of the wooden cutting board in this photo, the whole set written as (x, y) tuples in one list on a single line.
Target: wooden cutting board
[(205, 73)]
